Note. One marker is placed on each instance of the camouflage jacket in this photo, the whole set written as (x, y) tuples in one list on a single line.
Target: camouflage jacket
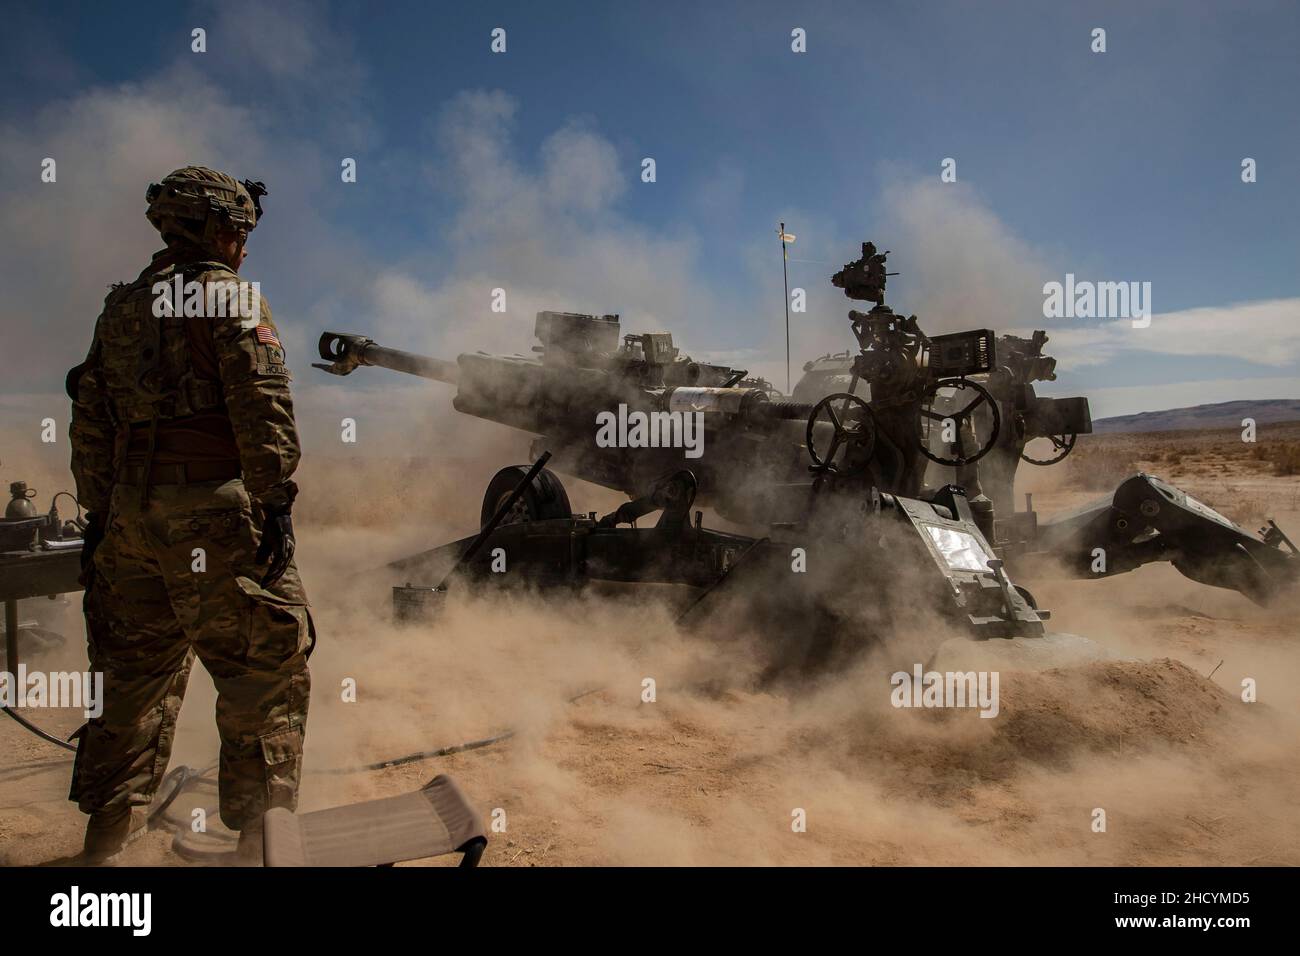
[(146, 370)]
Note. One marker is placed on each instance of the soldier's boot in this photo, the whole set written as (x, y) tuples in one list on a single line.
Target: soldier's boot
[(109, 832)]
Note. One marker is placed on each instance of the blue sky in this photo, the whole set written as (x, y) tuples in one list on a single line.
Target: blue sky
[(1123, 165)]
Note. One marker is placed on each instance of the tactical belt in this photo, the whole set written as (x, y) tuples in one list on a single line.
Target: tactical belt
[(180, 474)]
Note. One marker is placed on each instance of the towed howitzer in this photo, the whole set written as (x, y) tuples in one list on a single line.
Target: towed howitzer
[(847, 502), (966, 402)]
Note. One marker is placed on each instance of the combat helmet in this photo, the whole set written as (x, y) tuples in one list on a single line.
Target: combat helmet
[(195, 203)]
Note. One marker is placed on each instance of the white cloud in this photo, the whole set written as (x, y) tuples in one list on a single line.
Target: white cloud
[(546, 229), (88, 229), (962, 267), (1265, 332), (580, 170)]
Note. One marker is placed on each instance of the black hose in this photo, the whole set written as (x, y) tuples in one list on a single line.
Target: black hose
[(422, 755), (183, 776), (441, 751), (37, 731)]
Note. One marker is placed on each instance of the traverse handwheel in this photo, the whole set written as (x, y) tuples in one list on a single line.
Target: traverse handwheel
[(971, 397), (853, 429)]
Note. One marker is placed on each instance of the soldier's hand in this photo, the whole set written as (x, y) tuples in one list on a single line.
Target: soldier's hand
[(277, 546)]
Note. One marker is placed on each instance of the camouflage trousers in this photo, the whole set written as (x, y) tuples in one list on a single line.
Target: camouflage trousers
[(176, 577)]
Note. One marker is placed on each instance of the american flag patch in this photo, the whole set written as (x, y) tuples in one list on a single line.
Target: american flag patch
[(266, 336)]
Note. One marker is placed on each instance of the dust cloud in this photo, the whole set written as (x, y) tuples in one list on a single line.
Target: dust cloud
[(712, 771)]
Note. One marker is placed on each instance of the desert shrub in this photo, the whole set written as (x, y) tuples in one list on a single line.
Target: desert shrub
[(1284, 456), (1287, 460)]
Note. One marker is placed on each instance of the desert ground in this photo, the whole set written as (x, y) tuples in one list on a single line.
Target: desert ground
[(712, 770)]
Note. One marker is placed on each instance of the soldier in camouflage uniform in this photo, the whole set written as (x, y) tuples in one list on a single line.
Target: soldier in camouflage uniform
[(183, 447)]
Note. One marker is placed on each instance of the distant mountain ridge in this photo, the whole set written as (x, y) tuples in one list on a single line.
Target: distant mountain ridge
[(1220, 415)]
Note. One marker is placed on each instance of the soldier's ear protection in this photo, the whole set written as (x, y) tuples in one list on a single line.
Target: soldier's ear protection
[(257, 190)]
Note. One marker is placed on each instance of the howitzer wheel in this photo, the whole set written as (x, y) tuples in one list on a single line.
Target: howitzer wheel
[(1062, 445), (544, 498), (959, 418)]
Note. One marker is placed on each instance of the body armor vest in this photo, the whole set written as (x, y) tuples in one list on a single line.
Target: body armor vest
[(145, 359)]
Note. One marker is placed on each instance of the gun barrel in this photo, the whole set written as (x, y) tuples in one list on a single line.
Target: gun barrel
[(345, 353)]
